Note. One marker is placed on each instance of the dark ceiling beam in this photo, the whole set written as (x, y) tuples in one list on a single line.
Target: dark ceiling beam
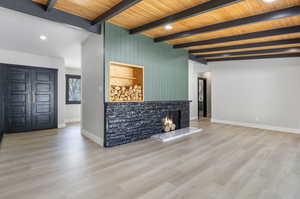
[(254, 52), (279, 14), (256, 57), (38, 10), (197, 59), (50, 5), (252, 45), (117, 9), (254, 35), (191, 12)]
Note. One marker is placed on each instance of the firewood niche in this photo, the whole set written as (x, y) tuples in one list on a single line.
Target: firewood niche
[(126, 83)]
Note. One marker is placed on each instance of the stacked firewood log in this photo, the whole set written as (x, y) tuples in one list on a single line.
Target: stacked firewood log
[(126, 93)]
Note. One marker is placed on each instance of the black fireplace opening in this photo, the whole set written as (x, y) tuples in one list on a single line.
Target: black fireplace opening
[(175, 116)]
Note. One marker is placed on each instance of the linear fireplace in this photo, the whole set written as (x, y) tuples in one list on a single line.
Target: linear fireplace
[(129, 122)]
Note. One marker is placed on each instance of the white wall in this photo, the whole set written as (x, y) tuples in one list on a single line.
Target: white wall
[(257, 93), (195, 69), (72, 111), (26, 59), (92, 122)]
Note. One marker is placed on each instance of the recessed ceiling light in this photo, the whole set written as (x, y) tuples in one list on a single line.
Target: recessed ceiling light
[(43, 37), (294, 50), (168, 27), (269, 1)]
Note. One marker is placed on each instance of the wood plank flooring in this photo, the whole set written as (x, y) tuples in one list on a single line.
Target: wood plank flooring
[(223, 162)]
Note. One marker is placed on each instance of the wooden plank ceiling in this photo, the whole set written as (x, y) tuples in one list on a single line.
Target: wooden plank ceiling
[(278, 30)]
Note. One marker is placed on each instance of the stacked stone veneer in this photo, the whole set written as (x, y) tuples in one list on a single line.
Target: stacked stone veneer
[(129, 122)]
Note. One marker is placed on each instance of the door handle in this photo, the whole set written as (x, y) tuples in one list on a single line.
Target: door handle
[(33, 99)]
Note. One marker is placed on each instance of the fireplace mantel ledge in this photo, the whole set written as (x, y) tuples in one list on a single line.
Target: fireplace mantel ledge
[(155, 101)]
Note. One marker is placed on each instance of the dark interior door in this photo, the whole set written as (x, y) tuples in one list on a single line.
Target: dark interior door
[(43, 99), (202, 97), (18, 99)]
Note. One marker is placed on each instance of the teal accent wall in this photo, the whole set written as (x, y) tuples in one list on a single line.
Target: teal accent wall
[(165, 68)]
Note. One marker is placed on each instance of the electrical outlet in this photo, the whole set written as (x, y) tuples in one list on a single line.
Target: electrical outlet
[(257, 119)]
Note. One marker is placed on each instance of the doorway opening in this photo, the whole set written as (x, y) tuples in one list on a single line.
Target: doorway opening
[(33, 85), (204, 100), (202, 97)]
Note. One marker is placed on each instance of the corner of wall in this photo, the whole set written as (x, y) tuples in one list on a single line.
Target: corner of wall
[(61, 125), (92, 137)]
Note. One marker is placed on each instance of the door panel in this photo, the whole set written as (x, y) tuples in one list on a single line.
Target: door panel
[(43, 94), (18, 109)]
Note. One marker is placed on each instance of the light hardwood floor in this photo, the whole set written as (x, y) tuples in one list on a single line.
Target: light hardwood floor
[(223, 162)]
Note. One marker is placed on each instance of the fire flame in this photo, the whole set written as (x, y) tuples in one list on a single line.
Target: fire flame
[(168, 124), (168, 121)]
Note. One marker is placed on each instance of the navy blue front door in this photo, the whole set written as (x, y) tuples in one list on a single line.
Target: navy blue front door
[(30, 99)]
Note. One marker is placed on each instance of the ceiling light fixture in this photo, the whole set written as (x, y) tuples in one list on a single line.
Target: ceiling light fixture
[(269, 1), (294, 50), (43, 37), (168, 27)]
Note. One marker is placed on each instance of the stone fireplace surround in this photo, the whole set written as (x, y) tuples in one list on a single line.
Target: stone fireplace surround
[(129, 122)]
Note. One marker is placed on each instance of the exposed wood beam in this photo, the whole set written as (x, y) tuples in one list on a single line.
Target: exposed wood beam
[(254, 35), (256, 57), (197, 59), (276, 50), (38, 10), (191, 12), (243, 46), (117, 9), (51, 4), (288, 12)]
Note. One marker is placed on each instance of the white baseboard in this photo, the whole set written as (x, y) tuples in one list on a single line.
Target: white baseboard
[(61, 126), (194, 118), (72, 120), (92, 137), (259, 126)]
